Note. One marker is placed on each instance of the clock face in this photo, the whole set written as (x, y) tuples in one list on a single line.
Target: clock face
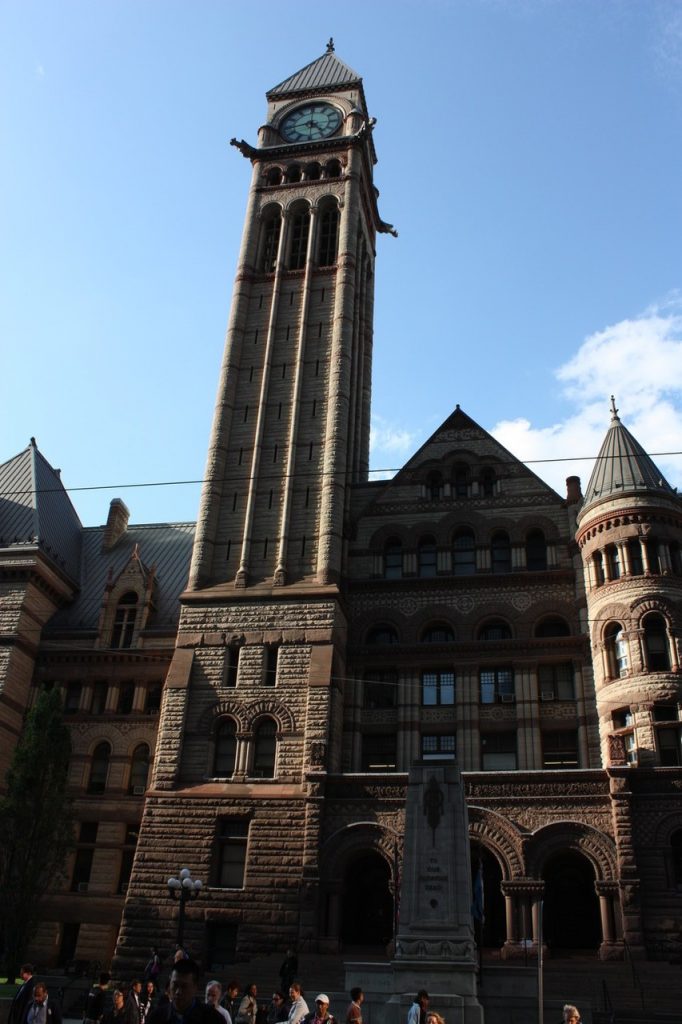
[(311, 122)]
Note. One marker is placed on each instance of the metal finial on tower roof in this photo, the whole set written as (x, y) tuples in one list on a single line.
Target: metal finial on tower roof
[(330, 45), (614, 410)]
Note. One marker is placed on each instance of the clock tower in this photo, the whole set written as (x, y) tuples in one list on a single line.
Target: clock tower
[(291, 427), (252, 715)]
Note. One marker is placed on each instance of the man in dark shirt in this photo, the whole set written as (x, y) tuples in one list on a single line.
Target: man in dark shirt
[(185, 1007), (94, 1006), (23, 997)]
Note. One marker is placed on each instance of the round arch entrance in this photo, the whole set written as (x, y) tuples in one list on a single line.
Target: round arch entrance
[(494, 921), (367, 903), (571, 905)]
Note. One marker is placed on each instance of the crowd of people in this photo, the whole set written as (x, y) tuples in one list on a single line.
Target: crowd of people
[(181, 1000)]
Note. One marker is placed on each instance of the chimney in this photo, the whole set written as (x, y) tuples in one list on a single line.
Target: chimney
[(117, 523), (573, 492)]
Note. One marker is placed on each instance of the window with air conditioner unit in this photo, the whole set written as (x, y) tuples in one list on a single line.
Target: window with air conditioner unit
[(497, 685)]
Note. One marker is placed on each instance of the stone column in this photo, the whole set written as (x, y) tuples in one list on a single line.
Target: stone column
[(610, 948), (621, 810)]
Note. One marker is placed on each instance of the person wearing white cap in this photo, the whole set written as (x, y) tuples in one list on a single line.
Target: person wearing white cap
[(321, 1014)]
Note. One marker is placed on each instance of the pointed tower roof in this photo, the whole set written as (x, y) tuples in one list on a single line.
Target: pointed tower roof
[(623, 467), (322, 75), (36, 510)]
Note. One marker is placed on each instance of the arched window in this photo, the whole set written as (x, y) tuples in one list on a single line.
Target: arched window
[(464, 553), (500, 552), (264, 749), (312, 172), (274, 176), (536, 551), (329, 233), (333, 169), (676, 846), (298, 245), (616, 650), (438, 633), (139, 770), (434, 486), (99, 768), (382, 635), (272, 226), (124, 620), (656, 643), (487, 482), (460, 481), (427, 558), (552, 625), (293, 174), (393, 560), (613, 561), (496, 629), (225, 748), (598, 562)]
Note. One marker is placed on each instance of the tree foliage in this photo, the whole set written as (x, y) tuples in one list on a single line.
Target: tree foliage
[(36, 824)]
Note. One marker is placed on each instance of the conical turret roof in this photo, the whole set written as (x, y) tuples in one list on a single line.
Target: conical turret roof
[(322, 75), (623, 467)]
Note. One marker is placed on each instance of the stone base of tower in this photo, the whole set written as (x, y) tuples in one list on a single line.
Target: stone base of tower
[(389, 988)]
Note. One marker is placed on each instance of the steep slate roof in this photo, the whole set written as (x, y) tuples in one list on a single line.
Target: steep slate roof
[(322, 75), (165, 546), (35, 510), (623, 467)]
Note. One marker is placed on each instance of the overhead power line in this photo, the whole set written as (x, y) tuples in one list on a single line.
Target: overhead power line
[(299, 474)]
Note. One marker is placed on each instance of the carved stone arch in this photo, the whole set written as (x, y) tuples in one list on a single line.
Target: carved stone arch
[(271, 708), (606, 615), (380, 537), (435, 613), (652, 603), (95, 741), (394, 620), (500, 837), (224, 708), (666, 827), (270, 208), (499, 524), (560, 836), (491, 611), (455, 523), (535, 521), (298, 204), (552, 609), (360, 837), (135, 739)]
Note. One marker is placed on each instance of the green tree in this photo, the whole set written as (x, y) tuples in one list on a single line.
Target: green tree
[(36, 824)]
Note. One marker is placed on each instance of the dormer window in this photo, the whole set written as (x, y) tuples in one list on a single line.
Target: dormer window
[(124, 620)]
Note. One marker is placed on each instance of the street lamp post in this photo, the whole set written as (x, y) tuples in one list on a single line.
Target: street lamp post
[(184, 888)]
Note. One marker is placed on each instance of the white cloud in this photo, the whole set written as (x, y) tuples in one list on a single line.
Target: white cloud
[(640, 362), (389, 443), (40, 71)]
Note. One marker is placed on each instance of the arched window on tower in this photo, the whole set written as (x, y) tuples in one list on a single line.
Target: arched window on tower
[(139, 770), (393, 560), (293, 174), (312, 172), (264, 749), (99, 768), (427, 557), (656, 649), (333, 169), (124, 620), (329, 234), (500, 552), (270, 232), (225, 748), (536, 551), (635, 556), (675, 558), (616, 650), (653, 555), (298, 246), (612, 553), (274, 176), (464, 553)]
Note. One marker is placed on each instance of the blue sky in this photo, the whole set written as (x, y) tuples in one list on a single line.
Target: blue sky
[(529, 155)]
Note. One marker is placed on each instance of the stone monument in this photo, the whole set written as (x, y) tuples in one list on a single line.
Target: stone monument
[(434, 946)]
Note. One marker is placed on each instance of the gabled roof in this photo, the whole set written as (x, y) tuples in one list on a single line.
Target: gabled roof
[(322, 75), (623, 467), (35, 510), (460, 433)]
